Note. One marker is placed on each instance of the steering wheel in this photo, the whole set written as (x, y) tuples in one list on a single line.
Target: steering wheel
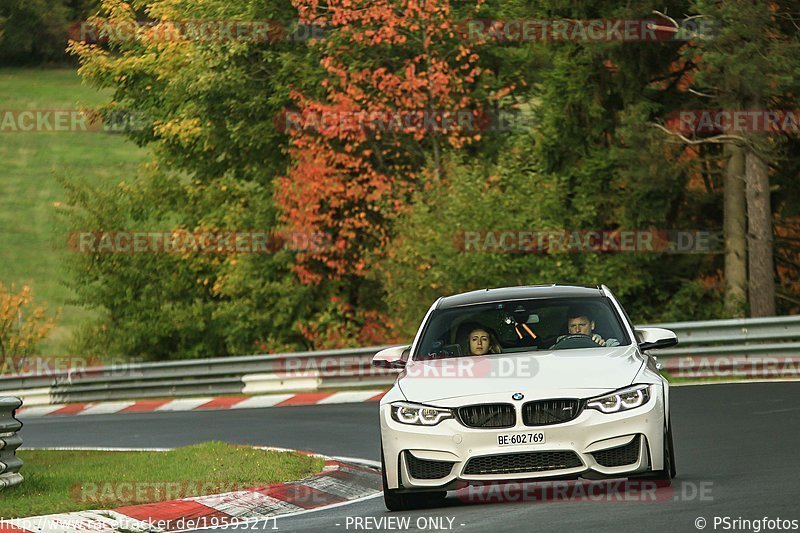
[(575, 340)]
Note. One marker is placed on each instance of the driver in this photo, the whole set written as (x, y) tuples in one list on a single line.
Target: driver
[(579, 322)]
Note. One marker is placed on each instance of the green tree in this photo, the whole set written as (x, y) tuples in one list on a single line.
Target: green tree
[(752, 64), (591, 163), (394, 204), (208, 110), (36, 31)]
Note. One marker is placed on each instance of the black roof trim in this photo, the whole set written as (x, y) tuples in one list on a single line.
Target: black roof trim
[(518, 293)]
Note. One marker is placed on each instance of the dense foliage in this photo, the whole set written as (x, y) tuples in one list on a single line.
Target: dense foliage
[(22, 326), (37, 31), (239, 145)]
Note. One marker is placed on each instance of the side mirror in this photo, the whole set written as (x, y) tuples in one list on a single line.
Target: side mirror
[(394, 357), (655, 338)]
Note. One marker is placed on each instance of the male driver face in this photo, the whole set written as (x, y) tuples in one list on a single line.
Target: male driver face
[(580, 326), (479, 342)]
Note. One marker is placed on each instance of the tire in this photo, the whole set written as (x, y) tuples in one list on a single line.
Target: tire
[(673, 470), (407, 501), (670, 471)]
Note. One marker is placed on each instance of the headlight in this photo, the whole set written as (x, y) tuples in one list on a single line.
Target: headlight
[(622, 400), (419, 415)]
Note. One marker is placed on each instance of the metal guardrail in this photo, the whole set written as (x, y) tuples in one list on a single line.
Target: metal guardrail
[(774, 336), (346, 369), (10, 464), (252, 374)]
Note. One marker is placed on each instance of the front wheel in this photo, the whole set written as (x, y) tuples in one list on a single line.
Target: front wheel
[(406, 501), (673, 471), (670, 470)]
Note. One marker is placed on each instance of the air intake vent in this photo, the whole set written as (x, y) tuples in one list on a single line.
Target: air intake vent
[(547, 412), (619, 456), (425, 469), (490, 415), (518, 463)]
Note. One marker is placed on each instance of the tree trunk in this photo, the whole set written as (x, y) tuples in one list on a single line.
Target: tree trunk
[(735, 232), (759, 216)]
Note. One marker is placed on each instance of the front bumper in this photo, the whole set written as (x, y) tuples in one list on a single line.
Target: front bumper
[(575, 448)]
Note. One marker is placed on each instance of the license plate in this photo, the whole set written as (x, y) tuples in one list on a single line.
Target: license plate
[(515, 439)]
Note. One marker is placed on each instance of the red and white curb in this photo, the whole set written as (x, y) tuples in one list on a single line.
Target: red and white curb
[(737, 369), (339, 483), (202, 404)]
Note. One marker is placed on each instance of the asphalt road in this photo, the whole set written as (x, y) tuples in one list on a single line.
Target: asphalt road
[(737, 448)]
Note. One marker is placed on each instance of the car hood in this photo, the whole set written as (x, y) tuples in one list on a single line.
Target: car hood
[(589, 368)]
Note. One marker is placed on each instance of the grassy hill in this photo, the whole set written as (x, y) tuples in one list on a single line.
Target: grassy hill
[(31, 243)]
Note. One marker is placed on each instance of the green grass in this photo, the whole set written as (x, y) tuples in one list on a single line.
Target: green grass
[(63, 481), (32, 244)]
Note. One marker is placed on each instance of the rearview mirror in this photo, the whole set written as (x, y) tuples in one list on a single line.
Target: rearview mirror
[(655, 338), (394, 357)]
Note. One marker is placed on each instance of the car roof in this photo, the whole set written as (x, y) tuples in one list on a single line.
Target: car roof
[(518, 293)]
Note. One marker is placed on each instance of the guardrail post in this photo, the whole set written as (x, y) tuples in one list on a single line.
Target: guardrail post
[(10, 464)]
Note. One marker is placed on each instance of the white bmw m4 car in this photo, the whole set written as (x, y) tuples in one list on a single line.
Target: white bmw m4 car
[(523, 383)]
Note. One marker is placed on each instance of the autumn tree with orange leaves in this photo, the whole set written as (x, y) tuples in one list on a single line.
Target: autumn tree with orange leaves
[(353, 171), (382, 154), (401, 88), (22, 325)]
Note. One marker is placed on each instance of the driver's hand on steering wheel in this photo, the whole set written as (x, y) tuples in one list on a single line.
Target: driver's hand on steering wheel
[(598, 339)]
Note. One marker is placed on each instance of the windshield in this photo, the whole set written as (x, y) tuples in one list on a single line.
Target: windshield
[(520, 326)]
